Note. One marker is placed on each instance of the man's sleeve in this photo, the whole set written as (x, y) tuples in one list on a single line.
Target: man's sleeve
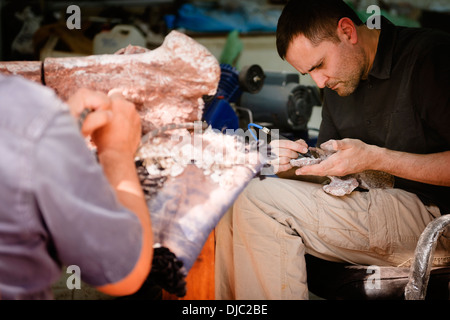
[(88, 225)]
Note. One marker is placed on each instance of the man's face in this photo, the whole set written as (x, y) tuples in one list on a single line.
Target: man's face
[(336, 65)]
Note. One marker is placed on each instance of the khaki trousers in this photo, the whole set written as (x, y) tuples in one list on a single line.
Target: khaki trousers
[(262, 239)]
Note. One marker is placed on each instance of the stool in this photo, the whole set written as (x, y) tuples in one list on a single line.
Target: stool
[(342, 281)]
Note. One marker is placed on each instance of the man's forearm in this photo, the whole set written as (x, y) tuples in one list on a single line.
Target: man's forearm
[(121, 173), (120, 170), (427, 168)]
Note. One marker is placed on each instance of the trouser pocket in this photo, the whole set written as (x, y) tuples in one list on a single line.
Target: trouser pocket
[(353, 222)]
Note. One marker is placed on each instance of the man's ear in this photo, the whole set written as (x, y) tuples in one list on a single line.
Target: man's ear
[(346, 30)]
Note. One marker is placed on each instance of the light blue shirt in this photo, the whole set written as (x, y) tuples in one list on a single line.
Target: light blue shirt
[(56, 206)]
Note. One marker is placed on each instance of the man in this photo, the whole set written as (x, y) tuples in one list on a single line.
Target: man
[(59, 206), (386, 107)]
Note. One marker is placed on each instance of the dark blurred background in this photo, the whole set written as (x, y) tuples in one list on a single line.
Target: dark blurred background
[(35, 29)]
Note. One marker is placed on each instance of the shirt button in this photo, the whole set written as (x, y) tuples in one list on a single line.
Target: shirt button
[(368, 122), (370, 86)]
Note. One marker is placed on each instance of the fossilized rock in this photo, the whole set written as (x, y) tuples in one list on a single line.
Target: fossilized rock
[(166, 84), (31, 70), (340, 186)]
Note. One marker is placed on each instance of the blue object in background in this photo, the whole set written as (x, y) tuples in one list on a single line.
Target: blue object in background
[(203, 18), (221, 116), (218, 112)]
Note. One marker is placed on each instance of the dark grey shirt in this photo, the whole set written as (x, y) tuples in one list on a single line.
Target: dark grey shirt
[(56, 206), (404, 104)]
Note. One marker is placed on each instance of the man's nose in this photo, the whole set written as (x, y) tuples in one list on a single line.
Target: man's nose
[(319, 78)]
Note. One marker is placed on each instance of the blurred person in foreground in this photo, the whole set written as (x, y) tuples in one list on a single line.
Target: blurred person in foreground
[(59, 205)]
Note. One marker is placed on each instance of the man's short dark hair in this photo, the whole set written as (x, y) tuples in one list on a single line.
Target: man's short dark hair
[(317, 20)]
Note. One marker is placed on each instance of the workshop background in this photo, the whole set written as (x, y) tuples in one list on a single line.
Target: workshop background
[(237, 33)]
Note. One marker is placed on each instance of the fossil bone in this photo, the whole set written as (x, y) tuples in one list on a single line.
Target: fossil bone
[(340, 186)]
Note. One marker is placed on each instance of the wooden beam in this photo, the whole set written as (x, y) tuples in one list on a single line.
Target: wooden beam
[(200, 279)]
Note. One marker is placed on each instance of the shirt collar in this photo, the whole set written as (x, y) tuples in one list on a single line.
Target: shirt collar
[(382, 63)]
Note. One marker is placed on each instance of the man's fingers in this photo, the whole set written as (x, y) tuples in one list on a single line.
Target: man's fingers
[(118, 100), (283, 167), (335, 145), (116, 94), (281, 164), (282, 160), (277, 168), (298, 146), (87, 99), (285, 153), (330, 145), (95, 120), (97, 100), (312, 170), (303, 144)]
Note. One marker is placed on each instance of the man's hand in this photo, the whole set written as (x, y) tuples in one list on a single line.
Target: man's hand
[(286, 150), (96, 101), (351, 156), (123, 132), (355, 156)]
